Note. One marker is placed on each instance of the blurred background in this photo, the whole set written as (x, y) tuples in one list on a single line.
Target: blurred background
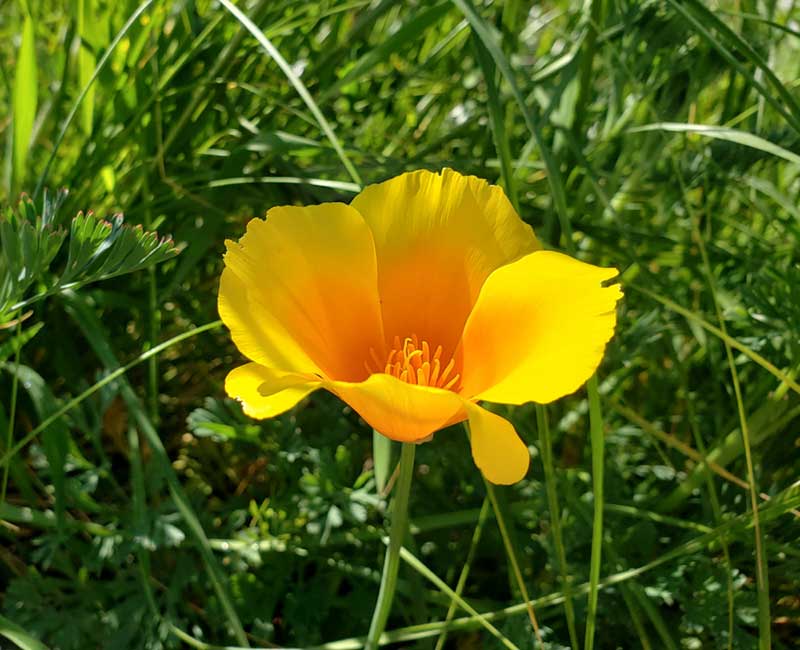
[(660, 137)]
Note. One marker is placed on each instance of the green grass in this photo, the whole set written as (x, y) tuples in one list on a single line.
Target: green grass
[(142, 509)]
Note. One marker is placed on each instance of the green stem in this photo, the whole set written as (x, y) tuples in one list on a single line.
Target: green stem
[(396, 534), (598, 444)]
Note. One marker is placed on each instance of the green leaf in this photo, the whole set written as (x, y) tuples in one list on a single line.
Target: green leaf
[(28, 244), (55, 438), (215, 419), (382, 459), (132, 20), (100, 249), (26, 82), (722, 133), (18, 636), (17, 342)]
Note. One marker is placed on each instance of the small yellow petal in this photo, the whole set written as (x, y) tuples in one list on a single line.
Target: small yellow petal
[(538, 329), (496, 448), (437, 237), (398, 410), (265, 393)]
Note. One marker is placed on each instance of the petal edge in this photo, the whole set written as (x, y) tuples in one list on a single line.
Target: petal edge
[(538, 330), (265, 393)]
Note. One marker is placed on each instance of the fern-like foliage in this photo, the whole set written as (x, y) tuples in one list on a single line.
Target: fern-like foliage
[(97, 249)]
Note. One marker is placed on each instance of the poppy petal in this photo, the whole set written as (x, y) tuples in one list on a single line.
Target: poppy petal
[(437, 237), (265, 393), (299, 291), (496, 448), (538, 329), (398, 410)]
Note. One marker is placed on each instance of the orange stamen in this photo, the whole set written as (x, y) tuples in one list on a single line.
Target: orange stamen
[(411, 361)]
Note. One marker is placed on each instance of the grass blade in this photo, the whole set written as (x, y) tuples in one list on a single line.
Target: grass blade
[(700, 27), (464, 575), (722, 133), (598, 444), (55, 438), (497, 120), (26, 98), (512, 556), (110, 377), (11, 418), (778, 506), (706, 17), (381, 459), (299, 86), (594, 8), (18, 636), (85, 90), (762, 575), (86, 61), (410, 30), (551, 485), (418, 566), (489, 40)]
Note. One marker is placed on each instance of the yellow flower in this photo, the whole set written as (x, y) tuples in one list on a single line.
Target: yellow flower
[(423, 296)]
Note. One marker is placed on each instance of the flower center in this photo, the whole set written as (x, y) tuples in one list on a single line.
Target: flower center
[(411, 361)]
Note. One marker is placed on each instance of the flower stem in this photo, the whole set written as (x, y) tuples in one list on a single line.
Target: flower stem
[(396, 534)]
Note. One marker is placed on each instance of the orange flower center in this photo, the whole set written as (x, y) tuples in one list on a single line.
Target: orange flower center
[(411, 361)]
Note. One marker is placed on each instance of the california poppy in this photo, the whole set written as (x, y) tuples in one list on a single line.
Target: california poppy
[(424, 295)]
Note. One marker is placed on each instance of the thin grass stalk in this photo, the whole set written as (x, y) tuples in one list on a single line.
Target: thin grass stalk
[(397, 533), (153, 313), (12, 414), (462, 578), (722, 335), (110, 377), (717, 510), (512, 556), (595, 9), (546, 450), (762, 576), (783, 502), (297, 84), (636, 619), (598, 445), (485, 59), (423, 570), (712, 491), (139, 498)]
